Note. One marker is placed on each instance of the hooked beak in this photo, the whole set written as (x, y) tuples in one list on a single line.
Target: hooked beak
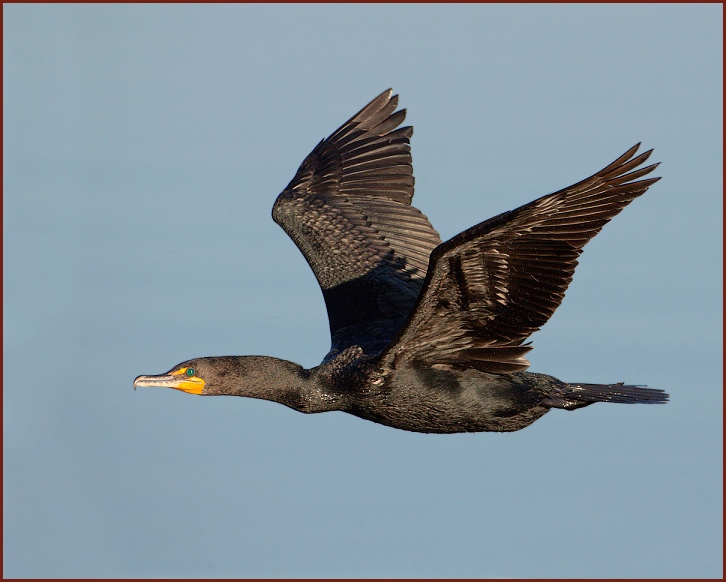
[(176, 380)]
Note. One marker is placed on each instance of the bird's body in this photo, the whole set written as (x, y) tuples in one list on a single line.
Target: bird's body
[(425, 336)]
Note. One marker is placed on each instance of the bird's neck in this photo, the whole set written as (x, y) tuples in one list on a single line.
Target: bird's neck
[(277, 380)]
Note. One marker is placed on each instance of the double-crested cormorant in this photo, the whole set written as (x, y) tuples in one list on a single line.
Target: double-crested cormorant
[(426, 336)]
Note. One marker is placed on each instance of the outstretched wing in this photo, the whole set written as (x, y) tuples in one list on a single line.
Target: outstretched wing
[(490, 287), (348, 209)]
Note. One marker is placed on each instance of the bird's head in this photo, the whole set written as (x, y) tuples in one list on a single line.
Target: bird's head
[(190, 376), (254, 376)]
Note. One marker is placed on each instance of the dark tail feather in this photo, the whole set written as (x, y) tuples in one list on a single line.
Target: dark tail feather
[(573, 396)]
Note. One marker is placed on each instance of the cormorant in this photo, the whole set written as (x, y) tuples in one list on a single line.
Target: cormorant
[(426, 336)]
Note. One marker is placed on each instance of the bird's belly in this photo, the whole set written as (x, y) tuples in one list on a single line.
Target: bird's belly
[(440, 401)]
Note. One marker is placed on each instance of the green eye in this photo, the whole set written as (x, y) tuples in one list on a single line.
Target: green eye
[(190, 371)]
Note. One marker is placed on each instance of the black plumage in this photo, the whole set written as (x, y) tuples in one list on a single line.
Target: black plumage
[(425, 336)]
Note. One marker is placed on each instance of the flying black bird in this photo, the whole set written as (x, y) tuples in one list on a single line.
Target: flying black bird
[(426, 336)]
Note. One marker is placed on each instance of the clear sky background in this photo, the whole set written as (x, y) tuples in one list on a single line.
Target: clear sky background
[(143, 148)]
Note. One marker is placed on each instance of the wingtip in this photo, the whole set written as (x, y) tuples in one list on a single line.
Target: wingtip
[(386, 95), (632, 151)]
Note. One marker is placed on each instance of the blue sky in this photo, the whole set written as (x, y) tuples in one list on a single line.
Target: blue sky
[(144, 146)]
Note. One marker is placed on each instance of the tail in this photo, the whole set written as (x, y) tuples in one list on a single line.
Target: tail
[(572, 396)]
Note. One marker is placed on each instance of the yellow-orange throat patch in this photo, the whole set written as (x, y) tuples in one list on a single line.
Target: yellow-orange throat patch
[(189, 384)]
